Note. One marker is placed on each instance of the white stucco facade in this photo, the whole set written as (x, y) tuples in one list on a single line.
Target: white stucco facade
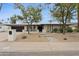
[(4, 28)]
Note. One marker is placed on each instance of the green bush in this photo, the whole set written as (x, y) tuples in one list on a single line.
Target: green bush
[(76, 30), (69, 29), (61, 30), (55, 30)]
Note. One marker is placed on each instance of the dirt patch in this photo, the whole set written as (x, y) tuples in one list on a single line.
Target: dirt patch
[(37, 37), (33, 37), (70, 37)]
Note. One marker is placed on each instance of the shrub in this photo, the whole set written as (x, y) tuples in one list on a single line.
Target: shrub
[(55, 30), (69, 29), (76, 30), (61, 30), (24, 37)]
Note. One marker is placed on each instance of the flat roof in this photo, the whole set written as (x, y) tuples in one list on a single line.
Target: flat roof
[(27, 24)]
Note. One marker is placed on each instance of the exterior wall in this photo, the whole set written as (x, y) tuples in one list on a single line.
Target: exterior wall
[(34, 28), (46, 27), (25, 28), (73, 27), (0, 27), (55, 26), (4, 28), (7, 28), (49, 28)]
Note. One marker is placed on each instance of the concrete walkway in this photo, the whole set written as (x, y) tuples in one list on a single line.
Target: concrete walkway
[(39, 48)]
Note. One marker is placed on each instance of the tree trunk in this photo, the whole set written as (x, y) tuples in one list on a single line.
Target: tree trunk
[(31, 26), (50, 27), (28, 28), (63, 25), (63, 28), (78, 14), (64, 22)]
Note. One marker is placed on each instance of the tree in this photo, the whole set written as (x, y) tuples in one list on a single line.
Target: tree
[(50, 21), (63, 12), (13, 19), (1, 6), (29, 15), (24, 15), (77, 14), (34, 15)]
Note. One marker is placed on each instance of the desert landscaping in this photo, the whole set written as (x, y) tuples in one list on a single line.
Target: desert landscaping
[(41, 37), (39, 29)]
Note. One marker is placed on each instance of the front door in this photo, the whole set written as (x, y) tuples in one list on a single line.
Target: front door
[(40, 28)]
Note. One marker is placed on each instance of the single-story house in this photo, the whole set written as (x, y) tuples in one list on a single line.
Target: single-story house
[(33, 27)]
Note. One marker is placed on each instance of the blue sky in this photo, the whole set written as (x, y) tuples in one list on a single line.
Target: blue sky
[(8, 10)]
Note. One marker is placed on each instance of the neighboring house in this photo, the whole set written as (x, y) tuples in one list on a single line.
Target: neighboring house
[(3, 27)]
